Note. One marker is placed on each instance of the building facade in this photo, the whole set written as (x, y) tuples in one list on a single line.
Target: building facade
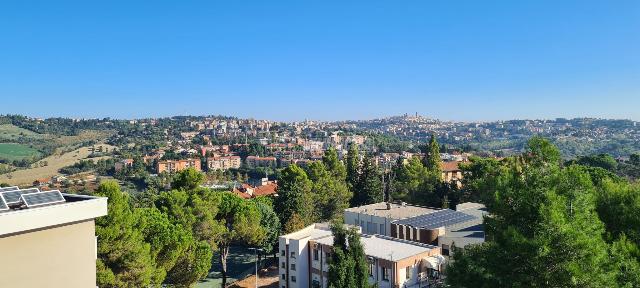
[(223, 163), (173, 166), (304, 259)]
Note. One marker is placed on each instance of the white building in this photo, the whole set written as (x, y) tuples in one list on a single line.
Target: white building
[(304, 255)]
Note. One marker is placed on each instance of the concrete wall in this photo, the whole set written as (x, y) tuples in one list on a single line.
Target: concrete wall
[(370, 224), (63, 256)]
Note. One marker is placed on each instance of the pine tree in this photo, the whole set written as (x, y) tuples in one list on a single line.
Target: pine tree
[(431, 159), (124, 259), (294, 195), (348, 265), (353, 167), (368, 188)]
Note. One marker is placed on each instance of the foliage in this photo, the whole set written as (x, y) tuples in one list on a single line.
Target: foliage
[(187, 179), (368, 188), (294, 195), (329, 192), (545, 228), (270, 224), (431, 160), (348, 266), (124, 259)]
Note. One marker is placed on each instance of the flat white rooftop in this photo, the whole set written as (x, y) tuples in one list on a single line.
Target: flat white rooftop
[(77, 208), (381, 247), (394, 210)]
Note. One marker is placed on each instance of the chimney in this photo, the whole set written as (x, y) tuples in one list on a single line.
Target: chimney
[(388, 206)]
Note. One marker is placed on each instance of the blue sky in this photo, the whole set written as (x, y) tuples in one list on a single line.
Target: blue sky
[(291, 60)]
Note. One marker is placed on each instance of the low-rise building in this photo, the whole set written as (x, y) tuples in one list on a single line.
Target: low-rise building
[(256, 161), (451, 172), (128, 163), (223, 163), (172, 166), (50, 243), (376, 218), (434, 226), (305, 254)]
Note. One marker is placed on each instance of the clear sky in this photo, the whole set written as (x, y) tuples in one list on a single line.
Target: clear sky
[(326, 60)]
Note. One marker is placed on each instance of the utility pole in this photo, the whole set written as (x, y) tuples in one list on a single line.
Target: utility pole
[(255, 250)]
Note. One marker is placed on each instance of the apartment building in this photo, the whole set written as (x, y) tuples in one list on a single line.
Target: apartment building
[(172, 166), (256, 161), (223, 163), (305, 254), (47, 238)]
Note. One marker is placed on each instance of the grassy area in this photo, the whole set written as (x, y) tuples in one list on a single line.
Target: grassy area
[(12, 132), (14, 151), (54, 162)]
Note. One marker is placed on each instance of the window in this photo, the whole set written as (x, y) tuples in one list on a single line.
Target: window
[(382, 230), (284, 277), (407, 273), (282, 252), (315, 254), (445, 250), (371, 269), (385, 274), (293, 255), (293, 279), (283, 266), (293, 267)]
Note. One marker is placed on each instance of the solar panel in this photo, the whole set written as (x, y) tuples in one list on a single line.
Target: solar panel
[(3, 204), (441, 218), (42, 198), (9, 188), (13, 197)]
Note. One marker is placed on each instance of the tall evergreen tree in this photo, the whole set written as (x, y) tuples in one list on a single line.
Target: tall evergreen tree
[(329, 194), (348, 265), (334, 165), (431, 159), (353, 166), (368, 188), (294, 195)]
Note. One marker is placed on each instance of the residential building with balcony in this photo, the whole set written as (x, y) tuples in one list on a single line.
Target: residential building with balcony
[(173, 166)]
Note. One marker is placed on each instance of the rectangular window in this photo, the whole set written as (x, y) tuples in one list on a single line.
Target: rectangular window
[(284, 277), (382, 230), (293, 267), (283, 266), (293, 279), (371, 269), (315, 254), (282, 253), (385, 274), (407, 273), (293, 255)]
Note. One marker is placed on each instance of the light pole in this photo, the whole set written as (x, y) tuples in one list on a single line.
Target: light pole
[(255, 250)]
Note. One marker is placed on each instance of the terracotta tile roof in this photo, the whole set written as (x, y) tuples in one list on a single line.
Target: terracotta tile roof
[(266, 190), (243, 195), (450, 166)]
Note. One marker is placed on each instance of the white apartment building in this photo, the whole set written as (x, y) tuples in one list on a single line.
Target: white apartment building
[(305, 254)]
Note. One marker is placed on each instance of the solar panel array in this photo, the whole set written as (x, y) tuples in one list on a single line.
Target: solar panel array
[(9, 188), (42, 198), (13, 197), (3, 205), (440, 218)]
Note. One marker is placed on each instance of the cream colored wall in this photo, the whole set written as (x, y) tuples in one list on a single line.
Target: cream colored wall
[(63, 256)]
